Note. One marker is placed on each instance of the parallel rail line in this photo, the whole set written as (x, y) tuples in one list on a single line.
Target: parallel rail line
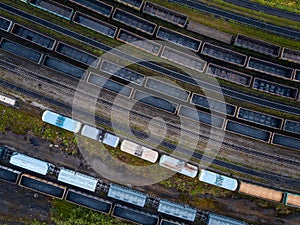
[(155, 67), (59, 85)]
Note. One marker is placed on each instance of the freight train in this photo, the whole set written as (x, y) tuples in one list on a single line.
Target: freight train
[(63, 183), (214, 49), (89, 183), (75, 126), (208, 49), (147, 7), (192, 171)]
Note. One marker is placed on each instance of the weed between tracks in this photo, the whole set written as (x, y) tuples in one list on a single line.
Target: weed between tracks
[(289, 5), (230, 26), (64, 213), (261, 16)]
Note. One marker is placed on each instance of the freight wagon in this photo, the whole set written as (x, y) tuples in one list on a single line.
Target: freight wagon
[(61, 121), (178, 165), (100, 135), (218, 180), (139, 151)]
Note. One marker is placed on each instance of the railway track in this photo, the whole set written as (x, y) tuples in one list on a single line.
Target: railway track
[(155, 67), (58, 85), (266, 9), (283, 31), (70, 90)]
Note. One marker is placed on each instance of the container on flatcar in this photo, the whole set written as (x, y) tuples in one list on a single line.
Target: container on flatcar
[(30, 163), (100, 135), (77, 179), (178, 165), (139, 151), (61, 121), (218, 180), (260, 192)]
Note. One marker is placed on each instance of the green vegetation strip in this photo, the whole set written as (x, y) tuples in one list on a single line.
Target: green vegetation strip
[(289, 5), (231, 27), (253, 14)]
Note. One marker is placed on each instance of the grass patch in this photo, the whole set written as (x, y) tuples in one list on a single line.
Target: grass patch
[(193, 187), (22, 122), (288, 5), (64, 213)]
